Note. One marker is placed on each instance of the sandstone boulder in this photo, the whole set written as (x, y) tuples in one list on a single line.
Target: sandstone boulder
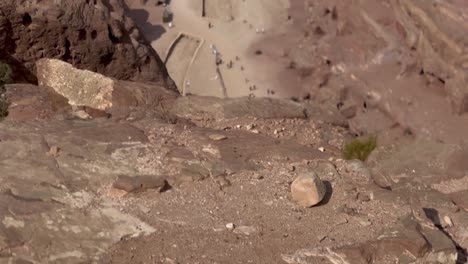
[(308, 190), (86, 88)]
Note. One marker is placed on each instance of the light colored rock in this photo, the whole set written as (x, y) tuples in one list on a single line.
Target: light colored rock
[(363, 221), (116, 193), (217, 137), (250, 127), (245, 230), (448, 221), (53, 151), (212, 150), (82, 114), (80, 87), (83, 88), (308, 190), (230, 226), (12, 222)]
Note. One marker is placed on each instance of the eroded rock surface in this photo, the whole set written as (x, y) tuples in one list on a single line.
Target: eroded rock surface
[(216, 108), (407, 242), (94, 169)]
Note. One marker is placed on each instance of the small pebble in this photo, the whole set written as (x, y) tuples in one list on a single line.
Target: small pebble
[(363, 221), (448, 221), (245, 230), (250, 127), (230, 226), (53, 151), (81, 114)]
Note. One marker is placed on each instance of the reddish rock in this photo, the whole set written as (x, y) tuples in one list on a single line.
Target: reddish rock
[(407, 242), (460, 199), (29, 102), (99, 39), (138, 183)]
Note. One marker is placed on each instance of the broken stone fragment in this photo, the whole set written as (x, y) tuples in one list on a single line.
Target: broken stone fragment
[(81, 115), (245, 230), (308, 190), (80, 87), (53, 151), (217, 137), (212, 150), (138, 183)]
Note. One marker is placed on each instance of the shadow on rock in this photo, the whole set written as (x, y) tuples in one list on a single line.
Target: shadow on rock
[(434, 216), (328, 193), (141, 16)]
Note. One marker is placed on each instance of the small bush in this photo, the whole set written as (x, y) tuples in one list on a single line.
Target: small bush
[(359, 149), (5, 74), (5, 77), (3, 108)]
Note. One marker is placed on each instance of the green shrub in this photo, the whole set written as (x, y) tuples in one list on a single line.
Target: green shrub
[(3, 108), (5, 74), (5, 77), (359, 149)]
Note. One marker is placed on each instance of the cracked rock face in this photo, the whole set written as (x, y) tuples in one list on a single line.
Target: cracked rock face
[(92, 35)]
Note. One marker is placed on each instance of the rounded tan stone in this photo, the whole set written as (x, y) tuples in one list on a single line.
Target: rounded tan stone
[(308, 190)]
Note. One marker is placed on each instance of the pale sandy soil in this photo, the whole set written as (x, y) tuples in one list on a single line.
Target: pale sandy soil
[(233, 35)]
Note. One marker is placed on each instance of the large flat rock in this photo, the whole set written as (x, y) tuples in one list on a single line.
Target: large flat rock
[(216, 108)]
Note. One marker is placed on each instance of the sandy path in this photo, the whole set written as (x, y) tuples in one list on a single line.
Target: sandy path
[(233, 39)]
